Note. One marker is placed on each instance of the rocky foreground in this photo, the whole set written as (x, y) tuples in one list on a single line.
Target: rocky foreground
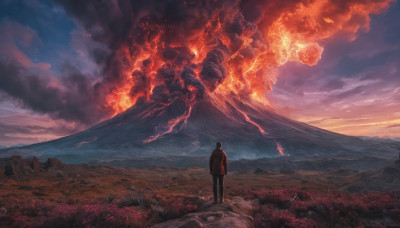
[(236, 213), (48, 193)]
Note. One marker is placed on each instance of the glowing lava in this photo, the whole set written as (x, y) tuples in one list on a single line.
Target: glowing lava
[(279, 148), (171, 125), (252, 122)]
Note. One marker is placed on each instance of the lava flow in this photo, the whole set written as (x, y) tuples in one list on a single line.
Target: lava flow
[(252, 122), (279, 148)]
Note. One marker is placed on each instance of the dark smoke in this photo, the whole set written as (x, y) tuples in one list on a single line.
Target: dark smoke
[(213, 72), (131, 28), (77, 102), (135, 24)]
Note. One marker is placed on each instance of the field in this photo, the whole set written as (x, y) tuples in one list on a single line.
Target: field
[(101, 196)]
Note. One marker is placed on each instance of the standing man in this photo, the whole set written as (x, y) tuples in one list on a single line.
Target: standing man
[(218, 168)]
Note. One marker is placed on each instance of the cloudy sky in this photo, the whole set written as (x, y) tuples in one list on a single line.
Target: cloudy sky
[(47, 72), (355, 87)]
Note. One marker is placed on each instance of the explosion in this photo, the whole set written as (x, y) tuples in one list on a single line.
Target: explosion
[(204, 46), (168, 50)]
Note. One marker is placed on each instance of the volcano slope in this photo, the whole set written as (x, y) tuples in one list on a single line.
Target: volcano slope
[(182, 132)]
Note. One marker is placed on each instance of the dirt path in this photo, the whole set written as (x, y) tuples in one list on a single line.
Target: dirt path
[(232, 214)]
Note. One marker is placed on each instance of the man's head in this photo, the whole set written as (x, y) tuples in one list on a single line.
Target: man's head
[(219, 145)]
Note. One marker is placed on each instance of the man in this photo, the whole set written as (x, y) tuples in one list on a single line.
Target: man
[(218, 168)]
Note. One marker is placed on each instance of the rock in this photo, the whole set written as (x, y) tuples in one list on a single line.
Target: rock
[(110, 198), (286, 171), (192, 224), (132, 201), (40, 194), (313, 215), (16, 166), (60, 174), (259, 171), (3, 211), (35, 164), (132, 188), (321, 209), (232, 214), (26, 187), (263, 171), (8, 170), (53, 163)]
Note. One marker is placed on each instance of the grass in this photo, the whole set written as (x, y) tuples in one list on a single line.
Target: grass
[(120, 197)]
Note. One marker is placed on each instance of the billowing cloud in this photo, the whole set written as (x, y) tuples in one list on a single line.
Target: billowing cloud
[(159, 50)]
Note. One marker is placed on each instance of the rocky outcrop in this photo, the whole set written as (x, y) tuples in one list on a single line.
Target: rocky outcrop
[(18, 167), (232, 214), (386, 179), (35, 164), (53, 163), (263, 171)]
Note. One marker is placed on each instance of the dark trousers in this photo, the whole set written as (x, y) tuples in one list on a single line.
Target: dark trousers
[(221, 185)]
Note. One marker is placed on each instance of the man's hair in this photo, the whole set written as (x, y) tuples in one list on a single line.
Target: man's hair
[(219, 144)]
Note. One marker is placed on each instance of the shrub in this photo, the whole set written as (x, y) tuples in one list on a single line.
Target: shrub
[(178, 206)]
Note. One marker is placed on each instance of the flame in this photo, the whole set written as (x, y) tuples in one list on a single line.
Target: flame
[(328, 20), (289, 34)]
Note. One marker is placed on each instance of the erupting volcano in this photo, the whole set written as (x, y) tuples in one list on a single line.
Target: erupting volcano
[(184, 74)]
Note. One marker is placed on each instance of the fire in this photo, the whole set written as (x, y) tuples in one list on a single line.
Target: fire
[(171, 125), (328, 20), (164, 59), (279, 148), (252, 122)]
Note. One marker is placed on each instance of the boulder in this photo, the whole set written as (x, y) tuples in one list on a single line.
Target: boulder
[(132, 188), (192, 224), (60, 174), (35, 164), (3, 211), (286, 171), (263, 171), (232, 214), (16, 166), (53, 163)]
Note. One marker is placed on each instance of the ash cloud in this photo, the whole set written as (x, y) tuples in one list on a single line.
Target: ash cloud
[(148, 46), (231, 30), (213, 72), (75, 102), (129, 28)]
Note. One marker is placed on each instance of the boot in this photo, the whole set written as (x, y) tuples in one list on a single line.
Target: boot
[(221, 199), (215, 199)]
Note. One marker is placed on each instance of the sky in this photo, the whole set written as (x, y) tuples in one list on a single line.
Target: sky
[(354, 89)]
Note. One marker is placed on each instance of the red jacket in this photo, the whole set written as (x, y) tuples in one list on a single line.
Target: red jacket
[(218, 162)]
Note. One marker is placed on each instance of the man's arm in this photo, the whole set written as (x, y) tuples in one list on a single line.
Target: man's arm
[(225, 164), (211, 161)]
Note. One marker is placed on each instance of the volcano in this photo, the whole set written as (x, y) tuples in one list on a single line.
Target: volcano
[(248, 130), (177, 76)]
